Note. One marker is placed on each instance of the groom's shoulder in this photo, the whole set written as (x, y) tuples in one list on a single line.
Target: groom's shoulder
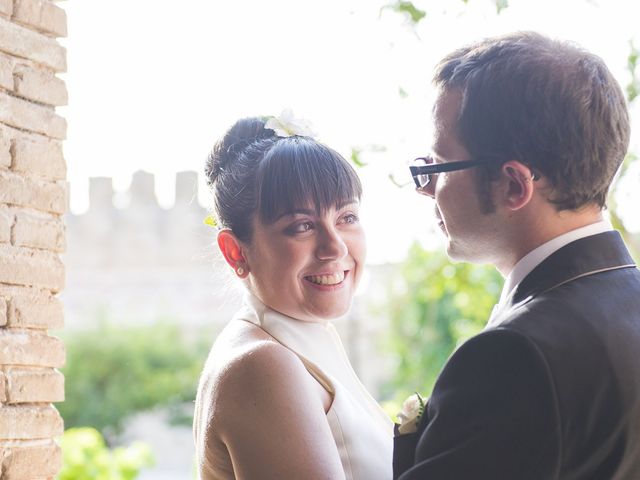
[(587, 331), (603, 305)]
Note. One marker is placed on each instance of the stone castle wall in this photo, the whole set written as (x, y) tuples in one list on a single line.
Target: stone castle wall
[(33, 199), (139, 263)]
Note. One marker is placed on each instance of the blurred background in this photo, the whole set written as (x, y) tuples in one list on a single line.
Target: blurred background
[(153, 84)]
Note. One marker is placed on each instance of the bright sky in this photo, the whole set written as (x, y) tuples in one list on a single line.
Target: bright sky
[(153, 83)]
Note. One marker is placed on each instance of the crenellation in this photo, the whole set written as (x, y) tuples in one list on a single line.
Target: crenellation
[(142, 191), (100, 194), (142, 234), (117, 255)]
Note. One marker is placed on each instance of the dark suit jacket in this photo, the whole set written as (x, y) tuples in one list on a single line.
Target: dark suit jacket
[(553, 392)]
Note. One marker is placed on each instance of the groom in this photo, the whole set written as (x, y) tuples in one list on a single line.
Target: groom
[(529, 133)]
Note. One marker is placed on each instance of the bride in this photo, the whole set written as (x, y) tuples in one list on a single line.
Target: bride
[(278, 398)]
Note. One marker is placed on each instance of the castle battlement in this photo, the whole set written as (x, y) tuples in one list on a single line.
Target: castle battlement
[(142, 234)]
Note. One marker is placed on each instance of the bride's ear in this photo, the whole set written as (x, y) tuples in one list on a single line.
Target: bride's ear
[(231, 249)]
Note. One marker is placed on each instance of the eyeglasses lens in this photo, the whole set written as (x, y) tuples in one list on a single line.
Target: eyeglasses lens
[(423, 179)]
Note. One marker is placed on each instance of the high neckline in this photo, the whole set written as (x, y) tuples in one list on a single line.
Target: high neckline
[(318, 343)]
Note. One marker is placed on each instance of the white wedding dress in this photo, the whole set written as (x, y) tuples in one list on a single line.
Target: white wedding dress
[(363, 433)]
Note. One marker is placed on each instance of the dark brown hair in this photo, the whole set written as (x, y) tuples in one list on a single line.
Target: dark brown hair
[(252, 172), (549, 104)]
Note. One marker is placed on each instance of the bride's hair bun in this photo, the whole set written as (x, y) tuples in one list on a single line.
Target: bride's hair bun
[(231, 170), (241, 135)]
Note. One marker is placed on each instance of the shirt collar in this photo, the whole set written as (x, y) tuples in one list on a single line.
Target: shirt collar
[(532, 259)]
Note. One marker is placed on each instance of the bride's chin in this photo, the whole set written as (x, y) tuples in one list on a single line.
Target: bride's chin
[(331, 312)]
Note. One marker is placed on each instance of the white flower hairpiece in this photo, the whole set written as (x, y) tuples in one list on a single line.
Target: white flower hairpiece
[(411, 413), (287, 125)]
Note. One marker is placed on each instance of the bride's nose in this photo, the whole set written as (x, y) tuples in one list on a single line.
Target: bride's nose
[(330, 245)]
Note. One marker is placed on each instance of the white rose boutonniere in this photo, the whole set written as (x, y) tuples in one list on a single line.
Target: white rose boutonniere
[(287, 125), (411, 413)]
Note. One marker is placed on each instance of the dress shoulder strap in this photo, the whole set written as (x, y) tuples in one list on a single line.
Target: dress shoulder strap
[(318, 374)]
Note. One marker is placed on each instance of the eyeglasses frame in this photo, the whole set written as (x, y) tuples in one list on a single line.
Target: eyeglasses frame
[(434, 168)]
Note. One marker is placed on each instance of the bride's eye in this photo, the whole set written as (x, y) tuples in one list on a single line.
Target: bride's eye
[(349, 218), (300, 227)]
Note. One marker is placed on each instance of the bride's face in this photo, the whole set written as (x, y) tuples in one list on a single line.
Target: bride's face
[(307, 264)]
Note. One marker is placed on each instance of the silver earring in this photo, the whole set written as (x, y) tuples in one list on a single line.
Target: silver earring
[(240, 271)]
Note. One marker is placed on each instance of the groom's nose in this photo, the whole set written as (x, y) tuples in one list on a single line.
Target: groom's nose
[(429, 190)]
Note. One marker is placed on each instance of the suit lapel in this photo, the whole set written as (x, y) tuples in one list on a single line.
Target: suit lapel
[(404, 452)]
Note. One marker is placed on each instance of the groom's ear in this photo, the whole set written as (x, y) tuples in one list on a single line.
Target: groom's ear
[(516, 185)]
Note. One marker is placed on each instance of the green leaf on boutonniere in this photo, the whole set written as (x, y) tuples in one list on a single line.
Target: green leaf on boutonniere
[(422, 404)]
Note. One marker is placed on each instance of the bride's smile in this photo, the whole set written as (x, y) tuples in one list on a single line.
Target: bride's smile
[(327, 279)]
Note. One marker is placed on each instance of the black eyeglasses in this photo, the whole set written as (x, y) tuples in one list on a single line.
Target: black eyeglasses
[(423, 169)]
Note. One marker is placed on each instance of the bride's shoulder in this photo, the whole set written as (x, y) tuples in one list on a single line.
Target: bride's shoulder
[(246, 362), (248, 352)]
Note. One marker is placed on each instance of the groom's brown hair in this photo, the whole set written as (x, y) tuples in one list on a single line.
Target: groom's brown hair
[(549, 104)]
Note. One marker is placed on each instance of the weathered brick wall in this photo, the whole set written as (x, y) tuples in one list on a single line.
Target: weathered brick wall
[(33, 198)]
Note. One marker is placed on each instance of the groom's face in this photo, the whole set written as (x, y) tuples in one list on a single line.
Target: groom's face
[(472, 235)]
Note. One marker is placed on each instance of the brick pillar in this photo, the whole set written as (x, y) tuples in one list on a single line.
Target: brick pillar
[(33, 198)]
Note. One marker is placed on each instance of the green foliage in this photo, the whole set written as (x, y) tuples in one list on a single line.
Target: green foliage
[(501, 5), (633, 87), (632, 90), (86, 456), (357, 153), (413, 13), (355, 157), (632, 240), (113, 372), (435, 305)]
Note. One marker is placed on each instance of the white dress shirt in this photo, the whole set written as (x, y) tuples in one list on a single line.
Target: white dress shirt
[(535, 257)]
